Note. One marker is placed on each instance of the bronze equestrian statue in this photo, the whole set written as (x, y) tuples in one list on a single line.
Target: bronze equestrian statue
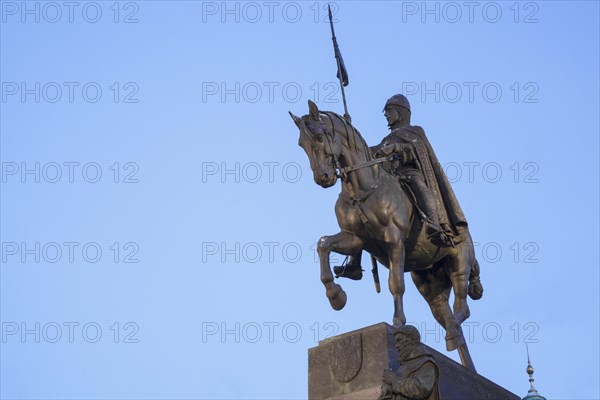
[(403, 225)]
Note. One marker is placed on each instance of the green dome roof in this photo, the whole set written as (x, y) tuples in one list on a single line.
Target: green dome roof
[(535, 396), (533, 393)]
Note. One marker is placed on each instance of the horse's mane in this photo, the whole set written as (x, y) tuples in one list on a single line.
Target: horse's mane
[(354, 135)]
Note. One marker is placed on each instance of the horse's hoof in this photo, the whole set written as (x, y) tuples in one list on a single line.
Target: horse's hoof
[(398, 323), (337, 297), (454, 338)]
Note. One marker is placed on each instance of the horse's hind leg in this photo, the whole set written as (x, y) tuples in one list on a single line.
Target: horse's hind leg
[(436, 291), (344, 243), (461, 308), (458, 269)]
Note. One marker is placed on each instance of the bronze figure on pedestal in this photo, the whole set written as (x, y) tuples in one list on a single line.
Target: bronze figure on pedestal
[(418, 375), (379, 212)]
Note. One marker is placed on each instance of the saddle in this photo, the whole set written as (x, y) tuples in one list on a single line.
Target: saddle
[(424, 242), (422, 245)]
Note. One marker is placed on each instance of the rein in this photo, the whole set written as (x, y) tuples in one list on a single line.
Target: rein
[(392, 157), (343, 172)]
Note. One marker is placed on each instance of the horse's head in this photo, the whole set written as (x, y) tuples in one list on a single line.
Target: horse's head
[(318, 141)]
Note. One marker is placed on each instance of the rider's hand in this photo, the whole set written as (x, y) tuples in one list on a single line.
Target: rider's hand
[(386, 151), (388, 376)]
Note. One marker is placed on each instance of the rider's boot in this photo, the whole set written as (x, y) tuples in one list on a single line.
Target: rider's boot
[(351, 270), (437, 235), (435, 232), (454, 337)]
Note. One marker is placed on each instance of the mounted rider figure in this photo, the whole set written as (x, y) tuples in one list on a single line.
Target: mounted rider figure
[(419, 168)]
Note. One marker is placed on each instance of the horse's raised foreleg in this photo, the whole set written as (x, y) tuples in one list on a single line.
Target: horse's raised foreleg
[(344, 243), (396, 280)]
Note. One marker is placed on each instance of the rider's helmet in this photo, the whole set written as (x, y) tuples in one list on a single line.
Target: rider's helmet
[(398, 100)]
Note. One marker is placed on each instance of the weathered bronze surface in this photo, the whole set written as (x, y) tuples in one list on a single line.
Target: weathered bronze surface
[(400, 208), (418, 375)]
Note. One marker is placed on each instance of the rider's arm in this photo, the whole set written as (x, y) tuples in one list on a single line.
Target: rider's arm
[(404, 150), (375, 149)]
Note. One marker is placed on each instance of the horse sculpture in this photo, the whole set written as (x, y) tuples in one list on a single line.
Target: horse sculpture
[(376, 214)]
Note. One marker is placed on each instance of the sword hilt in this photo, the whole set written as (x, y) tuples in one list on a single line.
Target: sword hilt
[(375, 274)]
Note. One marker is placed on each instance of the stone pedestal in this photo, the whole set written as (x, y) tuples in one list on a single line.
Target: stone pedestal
[(350, 366)]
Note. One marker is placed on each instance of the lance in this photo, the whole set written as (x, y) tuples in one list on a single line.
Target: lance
[(342, 74)]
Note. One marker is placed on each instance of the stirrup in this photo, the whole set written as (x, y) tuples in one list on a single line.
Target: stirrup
[(436, 235), (350, 271)]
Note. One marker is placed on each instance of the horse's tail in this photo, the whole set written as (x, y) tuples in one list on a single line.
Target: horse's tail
[(475, 286)]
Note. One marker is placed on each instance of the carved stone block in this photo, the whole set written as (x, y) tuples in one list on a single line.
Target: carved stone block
[(350, 366)]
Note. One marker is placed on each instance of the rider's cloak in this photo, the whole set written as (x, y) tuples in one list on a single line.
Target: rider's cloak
[(448, 208)]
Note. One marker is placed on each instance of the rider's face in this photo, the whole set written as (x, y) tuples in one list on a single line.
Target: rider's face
[(392, 115)]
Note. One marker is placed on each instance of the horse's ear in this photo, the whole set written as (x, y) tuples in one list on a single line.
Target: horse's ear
[(296, 119), (313, 111)]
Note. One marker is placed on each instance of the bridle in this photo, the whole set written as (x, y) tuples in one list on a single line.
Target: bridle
[(329, 138)]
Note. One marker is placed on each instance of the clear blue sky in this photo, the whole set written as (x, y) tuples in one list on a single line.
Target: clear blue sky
[(159, 219)]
